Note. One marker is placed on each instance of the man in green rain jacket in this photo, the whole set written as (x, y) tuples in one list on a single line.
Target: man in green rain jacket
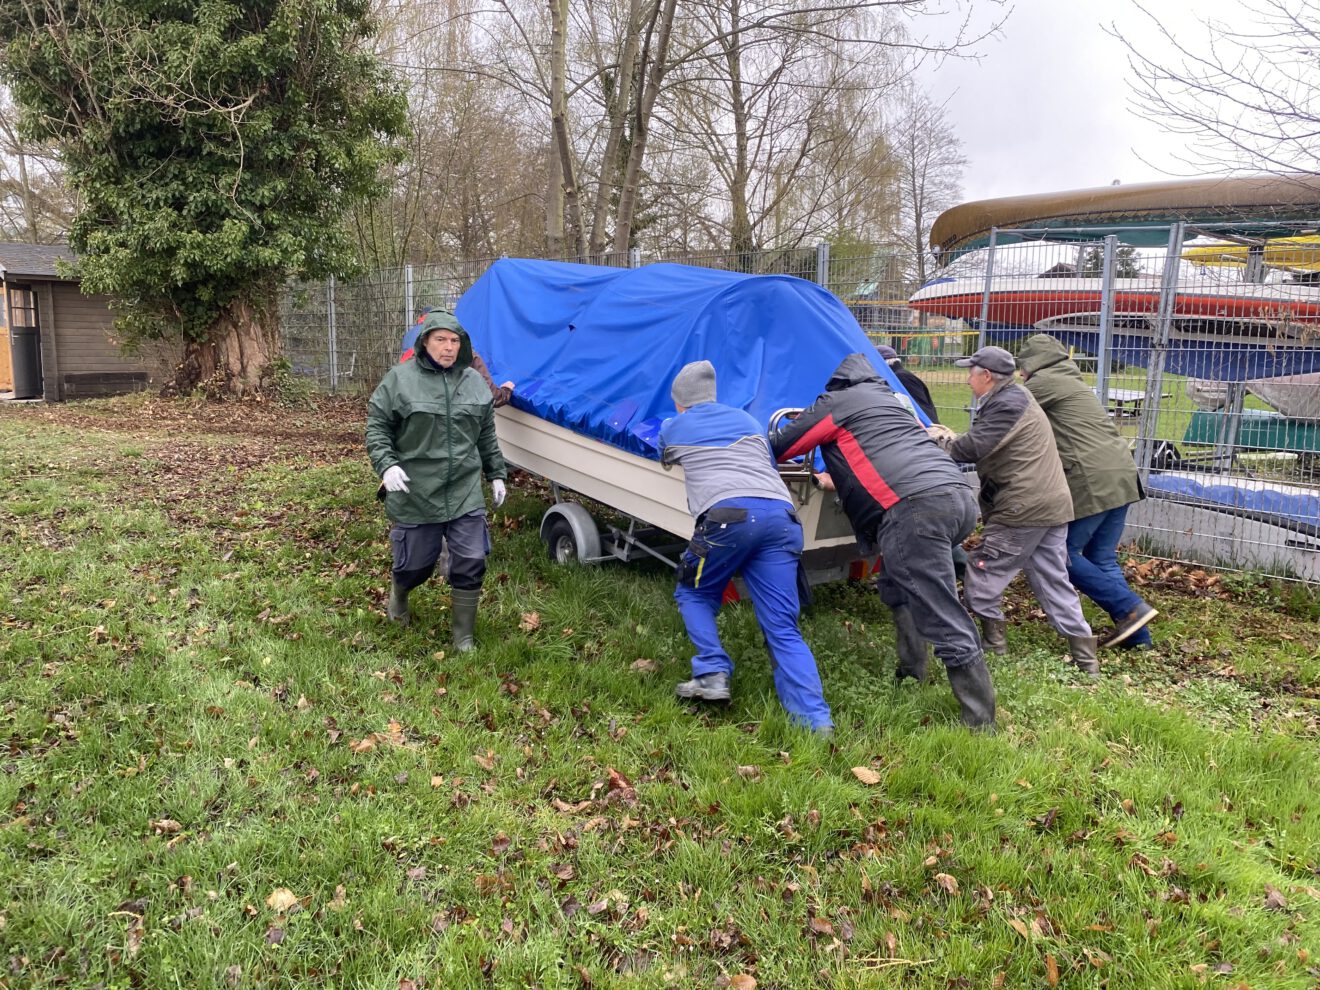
[(1102, 478), (430, 437)]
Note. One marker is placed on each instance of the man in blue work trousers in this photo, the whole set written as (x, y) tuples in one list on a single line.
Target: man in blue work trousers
[(745, 524)]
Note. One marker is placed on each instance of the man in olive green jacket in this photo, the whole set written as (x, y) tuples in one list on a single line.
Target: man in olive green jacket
[(430, 436), (1102, 478)]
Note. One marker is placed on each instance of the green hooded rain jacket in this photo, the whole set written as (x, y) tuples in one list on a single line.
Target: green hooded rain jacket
[(439, 426), (1096, 461)]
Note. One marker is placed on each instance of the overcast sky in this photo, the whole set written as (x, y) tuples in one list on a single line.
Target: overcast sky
[(1046, 107)]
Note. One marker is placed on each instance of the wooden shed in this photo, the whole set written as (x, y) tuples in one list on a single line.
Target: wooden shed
[(58, 343)]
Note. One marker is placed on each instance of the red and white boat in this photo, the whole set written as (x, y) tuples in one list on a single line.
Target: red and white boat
[(1030, 301)]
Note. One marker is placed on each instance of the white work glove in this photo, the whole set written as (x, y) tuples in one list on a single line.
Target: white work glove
[(394, 479), (497, 492)]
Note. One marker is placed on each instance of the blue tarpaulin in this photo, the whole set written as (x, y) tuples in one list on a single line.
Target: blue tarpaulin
[(1281, 506), (595, 349)]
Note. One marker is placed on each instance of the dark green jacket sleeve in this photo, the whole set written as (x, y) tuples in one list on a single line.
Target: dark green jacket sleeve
[(382, 427), (492, 459)]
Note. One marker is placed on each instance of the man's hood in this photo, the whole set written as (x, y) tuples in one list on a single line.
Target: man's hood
[(853, 370), (1040, 351), (439, 319)]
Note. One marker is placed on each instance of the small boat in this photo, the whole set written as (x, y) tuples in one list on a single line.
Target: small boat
[(1294, 254), (1228, 332), (1026, 302), (1253, 205)]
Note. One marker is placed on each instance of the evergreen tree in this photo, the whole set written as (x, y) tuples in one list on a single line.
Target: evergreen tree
[(214, 146)]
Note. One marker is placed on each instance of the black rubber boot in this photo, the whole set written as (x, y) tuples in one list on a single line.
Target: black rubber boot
[(397, 609), (971, 686), (994, 635), (1083, 654), (463, 617), (911, 648)]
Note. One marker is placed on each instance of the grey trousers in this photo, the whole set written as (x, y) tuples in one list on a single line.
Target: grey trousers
[(417, 546), (1041, 552)]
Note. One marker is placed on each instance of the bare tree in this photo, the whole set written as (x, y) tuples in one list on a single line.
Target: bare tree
[(1244, 94), (35, 205), (787, 98), (930, 162), (707, 123), (473, 184)]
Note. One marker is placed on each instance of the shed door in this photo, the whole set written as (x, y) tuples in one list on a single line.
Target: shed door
[(6, 368)]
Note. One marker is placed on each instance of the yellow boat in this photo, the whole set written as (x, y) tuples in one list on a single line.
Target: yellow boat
[(1295, 253)]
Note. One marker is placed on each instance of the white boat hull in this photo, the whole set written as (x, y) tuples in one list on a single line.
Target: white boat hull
[(641, 488)]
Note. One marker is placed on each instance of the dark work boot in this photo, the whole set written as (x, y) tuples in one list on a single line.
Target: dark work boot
[(1131, 624), (397, 609), (994, 635), (971, 686), (1083, 654), (706, 687), (463, 617), (911, 648)]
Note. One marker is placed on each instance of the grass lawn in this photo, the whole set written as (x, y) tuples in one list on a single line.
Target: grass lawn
[(224, 768)]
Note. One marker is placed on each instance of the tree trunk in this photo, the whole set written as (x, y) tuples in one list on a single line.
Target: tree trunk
[(662, 23), (621, 99), (235, 359), (559, 119), (742, 239)]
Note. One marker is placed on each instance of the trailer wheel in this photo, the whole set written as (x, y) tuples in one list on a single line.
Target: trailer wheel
[(570, 534), (562, 543)]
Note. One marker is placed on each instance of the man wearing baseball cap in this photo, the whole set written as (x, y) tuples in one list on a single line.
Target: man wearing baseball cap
[(1025, 506)]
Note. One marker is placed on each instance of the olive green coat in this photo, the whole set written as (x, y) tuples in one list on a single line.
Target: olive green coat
[(439, 426), (1096, 461)]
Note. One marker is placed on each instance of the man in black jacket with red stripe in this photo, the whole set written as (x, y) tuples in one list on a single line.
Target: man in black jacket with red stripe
[(906, 498)]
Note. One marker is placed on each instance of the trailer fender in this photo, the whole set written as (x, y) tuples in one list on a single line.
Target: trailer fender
[(570, 534)]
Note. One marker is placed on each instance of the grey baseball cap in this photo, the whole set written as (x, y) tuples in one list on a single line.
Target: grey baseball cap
[(990, 358)]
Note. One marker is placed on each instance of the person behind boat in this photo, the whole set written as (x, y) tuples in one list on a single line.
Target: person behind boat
[(905, 498), (501, 394), (914, 385), (1025, 506), (1102, 478), (745, 523), (430, 436)]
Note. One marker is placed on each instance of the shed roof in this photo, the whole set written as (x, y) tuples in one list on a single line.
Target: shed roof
[(33, 260)]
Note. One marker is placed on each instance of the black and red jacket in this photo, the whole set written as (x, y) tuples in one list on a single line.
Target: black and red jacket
[(874, 448)]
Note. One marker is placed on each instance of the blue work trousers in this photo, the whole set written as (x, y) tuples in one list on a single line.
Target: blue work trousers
[(1094, 570), (761, 539)]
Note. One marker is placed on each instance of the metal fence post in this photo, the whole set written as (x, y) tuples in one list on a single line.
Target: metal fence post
[(634, 257), (1159, 347), (331, 332), (1106, 321), (985, 295), (823, 264), (408, 307)]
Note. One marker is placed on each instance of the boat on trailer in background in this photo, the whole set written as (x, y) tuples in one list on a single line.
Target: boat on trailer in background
[(1263, 324), (1243, 315)]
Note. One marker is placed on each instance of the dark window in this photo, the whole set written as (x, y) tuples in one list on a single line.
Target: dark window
[(22, 306)]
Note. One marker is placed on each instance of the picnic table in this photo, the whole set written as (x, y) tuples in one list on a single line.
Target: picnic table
[(1126, 403)]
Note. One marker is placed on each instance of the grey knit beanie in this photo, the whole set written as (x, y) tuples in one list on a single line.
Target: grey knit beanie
[(694, 384)]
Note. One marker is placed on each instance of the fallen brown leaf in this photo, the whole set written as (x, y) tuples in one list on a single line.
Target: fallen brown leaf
[(950, 884), (866, 775), (281, 899)]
